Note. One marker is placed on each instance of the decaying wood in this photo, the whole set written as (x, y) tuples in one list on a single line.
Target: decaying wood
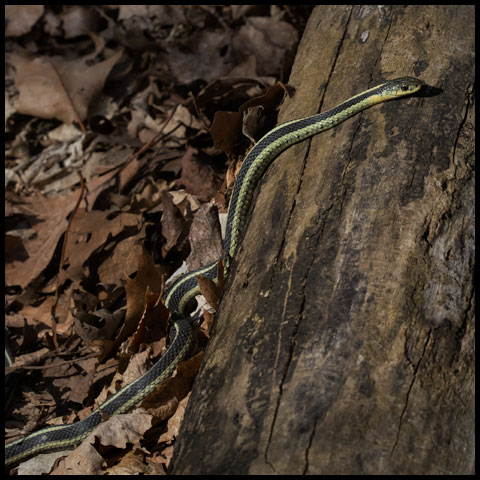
[(344, 340)]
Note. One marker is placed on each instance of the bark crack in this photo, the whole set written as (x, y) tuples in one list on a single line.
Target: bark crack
[(469, 94), (310, 441), (305, 277), (414, 377)]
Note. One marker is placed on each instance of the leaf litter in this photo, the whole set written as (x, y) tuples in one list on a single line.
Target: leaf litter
[(125, 127)]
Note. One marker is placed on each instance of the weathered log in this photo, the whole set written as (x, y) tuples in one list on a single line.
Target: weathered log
[(344, 340)]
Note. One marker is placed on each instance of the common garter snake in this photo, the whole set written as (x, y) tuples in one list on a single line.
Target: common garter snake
[(178, 297)]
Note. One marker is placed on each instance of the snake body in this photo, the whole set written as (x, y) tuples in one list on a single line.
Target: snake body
[(180, 294)]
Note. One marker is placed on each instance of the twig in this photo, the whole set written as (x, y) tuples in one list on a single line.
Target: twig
[(62, 257), (155, 139)]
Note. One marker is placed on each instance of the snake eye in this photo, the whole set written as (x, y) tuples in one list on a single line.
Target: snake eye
[(405, 88)]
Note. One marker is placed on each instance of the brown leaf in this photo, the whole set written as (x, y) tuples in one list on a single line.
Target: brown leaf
[(173, 224), (90, 231), (49, 220), (136, 288), (154, 322), (268, 39), (19, 19), (121, 430), (203, 55), (51, 87), (133, 463), (177, 387), (208, 289), (227, 126), (253, 122), (79, 20), (269, 100), (38, 315), (205, 237), (78, 385), (198, 178), (122, 262), (118, 431), (212, 290), (225, 130)]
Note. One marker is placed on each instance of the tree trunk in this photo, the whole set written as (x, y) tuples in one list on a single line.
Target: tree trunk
[(344, 340)]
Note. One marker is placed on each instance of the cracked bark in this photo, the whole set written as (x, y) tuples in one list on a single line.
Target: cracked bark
[(344, 341)]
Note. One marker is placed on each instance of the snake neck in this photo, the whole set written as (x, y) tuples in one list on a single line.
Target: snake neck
[(274, 143)]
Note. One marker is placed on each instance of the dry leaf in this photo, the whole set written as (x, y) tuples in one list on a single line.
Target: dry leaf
[(205, 238), (118, 431), (136, 288), (200, 56), (19, 19), (198, 177), (41, 464), (133, 463), (210, 290), (173, 224), (266, 38), (253, 122), (49, 220), (89, 232), (51, 87), (79, 20), (227, 126), (225, 130), (164, 399)]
